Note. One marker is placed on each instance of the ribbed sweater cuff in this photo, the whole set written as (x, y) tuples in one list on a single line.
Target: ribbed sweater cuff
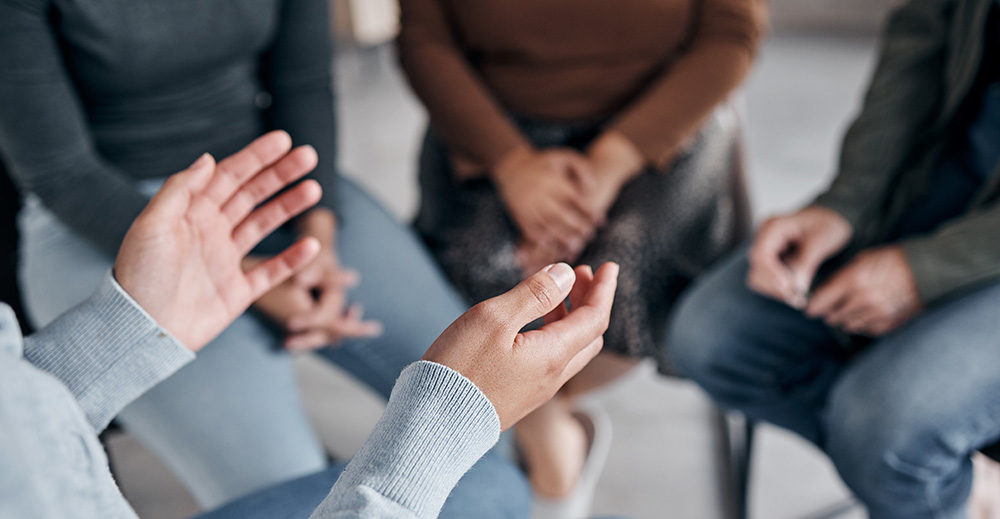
[(108, 351), (435, 428)]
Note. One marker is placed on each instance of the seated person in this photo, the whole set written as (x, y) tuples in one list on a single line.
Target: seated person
[(563, 131), (867, 322), (177, 282)]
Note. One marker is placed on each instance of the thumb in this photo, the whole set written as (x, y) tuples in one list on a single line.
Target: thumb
[(537, 295), (804, 264)]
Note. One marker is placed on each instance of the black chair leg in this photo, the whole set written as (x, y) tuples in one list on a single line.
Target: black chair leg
[(735, 444)]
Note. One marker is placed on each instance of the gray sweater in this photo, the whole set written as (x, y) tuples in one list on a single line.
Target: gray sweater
[(81, 370), (95, 94)]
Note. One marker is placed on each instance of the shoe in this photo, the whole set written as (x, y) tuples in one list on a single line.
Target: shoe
[(597, 424)]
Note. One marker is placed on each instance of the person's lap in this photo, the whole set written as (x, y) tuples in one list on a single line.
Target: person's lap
[(240, 395), (899, 419)]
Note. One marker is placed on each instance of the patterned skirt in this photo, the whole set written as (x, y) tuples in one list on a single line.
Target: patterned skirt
[(666, 227)]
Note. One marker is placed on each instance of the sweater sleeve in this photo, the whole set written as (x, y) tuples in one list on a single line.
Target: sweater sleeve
[(676, 103), (460, 106), (297, 71), (902, 99), (436, 426), (45, 143), (108, 351)]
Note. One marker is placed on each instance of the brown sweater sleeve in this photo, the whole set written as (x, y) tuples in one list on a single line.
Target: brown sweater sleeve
[(676, 103), (461, 108)]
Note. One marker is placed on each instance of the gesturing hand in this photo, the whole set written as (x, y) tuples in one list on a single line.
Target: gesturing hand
[(180, 260), (543, 193), (520, 371), (789, 249), (872, 295)]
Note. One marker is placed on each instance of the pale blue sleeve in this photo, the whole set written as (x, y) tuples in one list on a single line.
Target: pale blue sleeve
[(435, 428)]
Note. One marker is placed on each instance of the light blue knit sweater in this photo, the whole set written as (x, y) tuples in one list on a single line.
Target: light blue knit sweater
[(62, 385)]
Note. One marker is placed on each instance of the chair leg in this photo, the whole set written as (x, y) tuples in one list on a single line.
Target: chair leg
[(735, 443)]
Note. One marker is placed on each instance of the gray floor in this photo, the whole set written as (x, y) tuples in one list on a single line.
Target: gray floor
[(798, 101)]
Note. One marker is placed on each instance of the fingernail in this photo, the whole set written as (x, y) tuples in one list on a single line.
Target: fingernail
[(201, 162), (562, 274)]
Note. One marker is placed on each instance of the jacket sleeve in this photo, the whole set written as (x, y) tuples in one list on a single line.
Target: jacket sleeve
[(676, 103), (107, 351), (461, 108), (297, 71), (45, 142), (435, 428), (904, 95), (959, 255)]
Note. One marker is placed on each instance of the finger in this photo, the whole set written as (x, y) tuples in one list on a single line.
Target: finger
[(768, 273), (804, 264), (585, 323), (307, 341), (557, 313), (272, 272), (236, 169), (262, 186), (174, 198), (584, 280), (828, 297), (329, 308), (534, 297), (852, 312), (273, 214)]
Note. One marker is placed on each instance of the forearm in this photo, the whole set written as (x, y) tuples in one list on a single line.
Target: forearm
[(674, 105), (902, 99), (461, 107), (961, 254), (436, 426), (45, 142), (108, 351), (297, 71)]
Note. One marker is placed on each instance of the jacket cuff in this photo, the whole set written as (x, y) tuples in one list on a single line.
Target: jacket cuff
[(108, 351), (435, 428)]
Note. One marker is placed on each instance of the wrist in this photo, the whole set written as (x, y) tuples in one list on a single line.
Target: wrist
[(615, 158), (510, 163)]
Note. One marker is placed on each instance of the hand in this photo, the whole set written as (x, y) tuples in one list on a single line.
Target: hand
[(543, 193), (311, 305), (180, 260), (520, 371), (872, 295), (789, 249)]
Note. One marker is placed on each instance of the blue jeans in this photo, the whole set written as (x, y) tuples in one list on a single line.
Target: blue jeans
[(899, 419), (232, 422), (493, 484)]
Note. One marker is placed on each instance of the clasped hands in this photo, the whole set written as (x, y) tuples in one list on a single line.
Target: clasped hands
[(873, 294), (182, 262), (558, 198)]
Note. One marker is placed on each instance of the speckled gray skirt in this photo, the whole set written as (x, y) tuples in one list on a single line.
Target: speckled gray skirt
[(665, 228)]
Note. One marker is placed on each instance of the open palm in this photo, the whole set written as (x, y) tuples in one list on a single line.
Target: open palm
[(181, 259)]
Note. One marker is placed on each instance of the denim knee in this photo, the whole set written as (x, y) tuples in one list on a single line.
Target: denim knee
[(709, 324), (896, 456)]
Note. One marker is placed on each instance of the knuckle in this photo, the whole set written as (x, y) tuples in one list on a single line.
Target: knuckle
[(543, 295)]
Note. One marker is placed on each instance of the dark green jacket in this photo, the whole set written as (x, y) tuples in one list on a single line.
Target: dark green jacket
[(931, 52)]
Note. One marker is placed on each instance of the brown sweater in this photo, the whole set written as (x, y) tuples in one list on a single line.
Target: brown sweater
[(656, 67)]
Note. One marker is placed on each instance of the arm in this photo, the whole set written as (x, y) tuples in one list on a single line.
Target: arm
[(435, 428), (44, 139), (461, 108), (108, 351), (297, 71), (958, 255), (674, 104), (903, 97)]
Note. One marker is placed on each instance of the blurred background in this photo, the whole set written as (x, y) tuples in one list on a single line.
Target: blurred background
[(804, 90)]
